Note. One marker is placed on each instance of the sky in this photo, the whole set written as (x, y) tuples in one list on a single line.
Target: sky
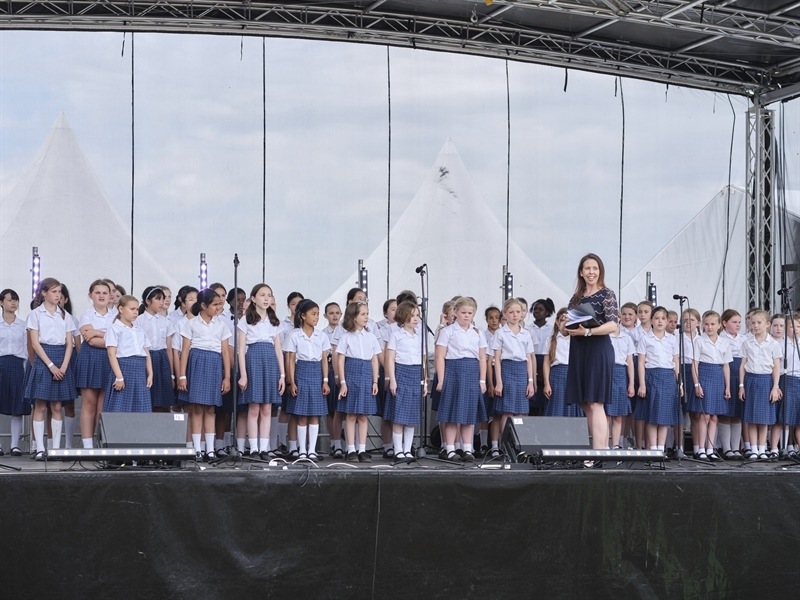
[(198, 148)]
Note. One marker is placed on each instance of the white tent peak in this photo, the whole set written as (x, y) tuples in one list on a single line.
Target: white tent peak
[(449, 227), (59, 206)]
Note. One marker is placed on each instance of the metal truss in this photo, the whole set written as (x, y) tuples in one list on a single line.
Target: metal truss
[(503, 29), (761, 241)]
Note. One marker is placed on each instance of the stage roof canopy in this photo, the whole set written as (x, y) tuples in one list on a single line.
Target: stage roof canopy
[(749, 47)]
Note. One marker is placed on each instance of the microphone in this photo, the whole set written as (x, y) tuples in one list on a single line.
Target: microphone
[(785, 291), (679, 297), (421, 267)]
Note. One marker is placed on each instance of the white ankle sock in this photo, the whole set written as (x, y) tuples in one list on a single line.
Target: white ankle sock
[(292, 445), (254, 445), (196, 442), (210, 440), (362, 448), (350, 448), (484, 435), (494, 444), (240, 445), (263, 444), (38, 435), (56, 427), (397, 440)]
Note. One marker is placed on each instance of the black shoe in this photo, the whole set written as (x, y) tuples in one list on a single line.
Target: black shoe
[(265, 456), (453, 457), (468, 457), (364, 457), (16, 451), (460, 453), (293, 455), (198, 456), (482, 451), (443, 454), (211, 455), (338, 453), (494, 453), (388, 453), (713, 456), (282, 450), (313, 456), (701, 456), (352, 457), (40, 456), (223, 453), (670, 454)]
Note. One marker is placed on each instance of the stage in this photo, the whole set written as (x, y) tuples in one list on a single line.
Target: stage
[(420, 530)]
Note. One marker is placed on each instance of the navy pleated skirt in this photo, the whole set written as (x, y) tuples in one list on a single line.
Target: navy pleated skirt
[(620, 403), (41, 385), (712, 381), (758, 410), (12, 380), (162, 393), (592, 370), (663, 407), (735, 407), (204, 378), (263, 375), (462, 399), (359, 399), (689, 400), (91, 368), (515, 384), (404, 408), (556, 405), (135, 396), (309, 401), (791, 399), (380, 399), (538, 400), (334, 393)]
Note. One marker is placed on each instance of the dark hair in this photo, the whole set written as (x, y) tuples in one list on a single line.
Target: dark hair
[(302, 308), (120, 289), (97, 282), (659, 309), (206, 296), (6, 292), (406, 296), (387, 304), (549, 307), (189, 290), (580, 287), (350, 314), (180, 297), (65, 294), (294, 295), (232, 296), (251, 315), (522, 300), (490, 309), (352, 293), (44, 285), (405, 310), (329, 304), (216, 286), (150, 292)]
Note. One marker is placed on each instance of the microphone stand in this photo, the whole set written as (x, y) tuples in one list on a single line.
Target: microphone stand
[(786, 308), (423, 434)]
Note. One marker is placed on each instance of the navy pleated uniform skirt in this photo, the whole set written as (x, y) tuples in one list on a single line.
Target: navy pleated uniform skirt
[(436, 396), (309, 401), (263, 375), (41, 385), (556, 406), (662, 397), (635, 400), (334, 393), (515, 384), (204, 378), (590, 378), (12, 380), (380, 399), (735, 406), (689, 400), (462, 400), (162, 393), (712, 381), (620, 403), (359, 399), (489, 401), (538, 400), (758, 410), (135, 396), (790, 386), (404, 408), (92, 368)]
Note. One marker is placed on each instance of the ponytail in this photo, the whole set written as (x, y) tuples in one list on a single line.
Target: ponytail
[(548, 305), (149, 293), (302, 308), (206, 296), (551, 351)]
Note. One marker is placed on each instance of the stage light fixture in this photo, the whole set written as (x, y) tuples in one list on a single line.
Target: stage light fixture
[(35, 271), (556, 454), (508, 284), (116, 454), (203, 271), (652, 294), (363, 277)]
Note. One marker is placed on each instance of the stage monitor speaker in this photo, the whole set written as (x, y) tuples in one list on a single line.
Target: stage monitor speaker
[(532, 435), (142, 430)]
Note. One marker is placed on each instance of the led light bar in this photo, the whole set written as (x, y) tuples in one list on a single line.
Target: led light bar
[(120, 453), (569, 454)]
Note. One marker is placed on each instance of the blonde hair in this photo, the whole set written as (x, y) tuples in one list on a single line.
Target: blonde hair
[(466, 301), (511, 302), (759, 312), (123, 301)]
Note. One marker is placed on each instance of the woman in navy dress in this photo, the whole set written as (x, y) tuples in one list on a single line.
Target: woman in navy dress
[(591, 355)]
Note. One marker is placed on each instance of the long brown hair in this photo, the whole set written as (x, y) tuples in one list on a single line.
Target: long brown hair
[(580, 288), (251, 315), (44, 285), (551, 351)]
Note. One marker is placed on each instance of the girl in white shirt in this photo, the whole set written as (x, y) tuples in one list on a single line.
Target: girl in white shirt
[(730, 424), (129, 354), (555, 365), (205, 370), (50, 381), (307, 372), (13, 352), (156, 327)]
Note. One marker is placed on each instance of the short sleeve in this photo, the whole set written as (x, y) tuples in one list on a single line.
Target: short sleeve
[(777, 351), (32, 322), (341, 347), (86, 319), (641, 346), (326, 343), (291, 342), (145, 339), (444, 337), (481, 340), (112, 339), (376, 347), (187, 329), (391, 343), (697, 347), (226, 332)]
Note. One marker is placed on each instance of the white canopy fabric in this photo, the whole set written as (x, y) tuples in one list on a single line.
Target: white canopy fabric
[(693, 262), (449, 227), (60, 207)]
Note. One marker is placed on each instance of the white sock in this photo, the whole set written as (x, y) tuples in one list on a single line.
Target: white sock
[(350, 448), (484, 433), (202, 445), (263, 444), (313, 434), (653, 447), (292, 445), (724, 436), (495, 444), (217, 445), (408, 438), (397, 440), (254, 445), (273, 432), (302, 436), (467, 447), (696, 448), (196, 442), (660, 448), (38, 435), (240, 445), (458, 445), (16, 431), (387, 447), (283, 433), (736, 435), (362, 448), (746, 445), (56, 426), (450, 448), (210, 440), (337, 444), (226, 439), (69, 431)]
